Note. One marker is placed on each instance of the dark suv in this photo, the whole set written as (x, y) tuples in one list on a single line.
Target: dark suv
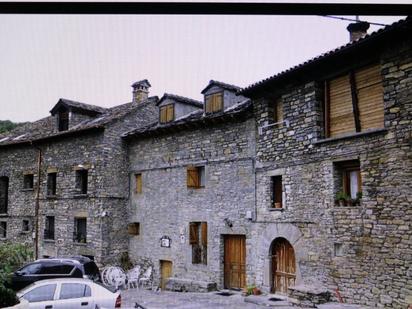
[(77, 267)]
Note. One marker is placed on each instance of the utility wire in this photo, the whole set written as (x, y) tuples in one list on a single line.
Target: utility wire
[(350, 19)]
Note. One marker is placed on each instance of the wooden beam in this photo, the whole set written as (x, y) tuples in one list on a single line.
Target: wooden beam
[(354, 101), (326, 111)]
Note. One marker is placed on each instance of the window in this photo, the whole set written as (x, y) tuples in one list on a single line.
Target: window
[(349, 182), (80, 230), (55, 269), (195, 177), (31, 269), (28, 181), (81, 181), (74, 290), (338, 249), (42, 293), (138, 178), (354, 102), (278, 112), (277, 192), (49, 228), (167, 113), (63, 120), (133, 228), (198, 240), (25, 226), (214, 102), (4, 194), (51, 184), (3, 229)]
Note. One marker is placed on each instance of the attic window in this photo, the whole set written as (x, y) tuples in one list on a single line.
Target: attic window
[(63, 120), (167, 113), (214, 102)]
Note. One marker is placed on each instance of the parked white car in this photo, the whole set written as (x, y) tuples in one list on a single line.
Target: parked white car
[(69, 293)]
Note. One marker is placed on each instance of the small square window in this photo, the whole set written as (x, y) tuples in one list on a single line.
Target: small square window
[(277, 192), (133, 228), (167, 113), (81, 181), (3, 229), (138, 179), (51, 184), (25, 226), (195, 177), (28, 181)]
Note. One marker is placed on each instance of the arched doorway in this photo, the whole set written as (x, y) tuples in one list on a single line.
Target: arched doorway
[(283, 266)]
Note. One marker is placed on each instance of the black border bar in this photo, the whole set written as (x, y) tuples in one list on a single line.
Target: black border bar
[(204, 8)]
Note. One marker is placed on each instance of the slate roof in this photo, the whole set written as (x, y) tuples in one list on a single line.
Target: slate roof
[(45, 128), (181, 99), (401, 25), (220, 84), (78, 106), (193, 119)]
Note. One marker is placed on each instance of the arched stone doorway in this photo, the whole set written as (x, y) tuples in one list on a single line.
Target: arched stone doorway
[(283, 266)]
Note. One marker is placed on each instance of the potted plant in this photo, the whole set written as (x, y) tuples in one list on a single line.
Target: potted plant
[(256, 291), (356, 201), (342, 198)]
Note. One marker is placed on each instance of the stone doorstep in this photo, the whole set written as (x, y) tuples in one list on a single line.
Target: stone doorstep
[(263, 300), (339, 306), (188, 285)]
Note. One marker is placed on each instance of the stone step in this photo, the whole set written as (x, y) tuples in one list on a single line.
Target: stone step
[(263, 300)]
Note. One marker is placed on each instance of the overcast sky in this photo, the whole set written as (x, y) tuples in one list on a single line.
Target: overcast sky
[(95, 59)]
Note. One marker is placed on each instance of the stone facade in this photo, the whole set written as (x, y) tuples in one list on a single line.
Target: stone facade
[(103, 154)]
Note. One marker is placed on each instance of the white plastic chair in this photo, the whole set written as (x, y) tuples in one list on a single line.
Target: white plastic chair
[(133, 277), (146, 277), (114, 276)]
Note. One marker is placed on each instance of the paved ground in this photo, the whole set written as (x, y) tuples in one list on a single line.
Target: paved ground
[(156, 300)]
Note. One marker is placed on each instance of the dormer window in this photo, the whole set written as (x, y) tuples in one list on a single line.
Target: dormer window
[(63, 120), (167, 113), (214, 102)]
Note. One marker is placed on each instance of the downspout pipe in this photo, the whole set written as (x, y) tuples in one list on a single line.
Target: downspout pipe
[(37, 202)]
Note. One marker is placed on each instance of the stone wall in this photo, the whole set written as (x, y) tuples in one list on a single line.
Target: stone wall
[(373, 266), (166, 205)]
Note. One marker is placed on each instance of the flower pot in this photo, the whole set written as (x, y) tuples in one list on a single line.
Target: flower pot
[(256, 291), (342, 203), (278, 205)]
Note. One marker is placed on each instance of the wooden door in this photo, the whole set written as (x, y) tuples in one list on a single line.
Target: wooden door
[(235, 261), (283, 266), (165, 272)]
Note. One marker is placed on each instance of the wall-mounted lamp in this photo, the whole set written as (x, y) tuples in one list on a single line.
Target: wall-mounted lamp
[(228, 222)]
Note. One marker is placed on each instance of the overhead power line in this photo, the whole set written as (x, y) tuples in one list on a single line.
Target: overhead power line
[(356, 20)]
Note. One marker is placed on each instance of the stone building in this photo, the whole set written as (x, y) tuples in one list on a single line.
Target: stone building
[(298, 184), (79, 159), (337, 127)]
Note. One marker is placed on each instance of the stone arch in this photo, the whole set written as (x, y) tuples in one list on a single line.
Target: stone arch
[(283, 265), (292, 234)]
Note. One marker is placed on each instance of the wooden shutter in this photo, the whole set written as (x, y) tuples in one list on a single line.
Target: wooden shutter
[(138, 183), (340, 106), (370, 97), (209, 103), (193, 233), (192, 177), (169, 112), (204, 233), (217, 102)]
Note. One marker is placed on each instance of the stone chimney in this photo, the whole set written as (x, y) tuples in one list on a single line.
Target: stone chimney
[(140, 90), (357, 30)]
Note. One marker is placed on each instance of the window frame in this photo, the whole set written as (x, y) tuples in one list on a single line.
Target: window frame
[(49, 233), (276, 183), (133, 228), (4, 188), (28, 181), (342, 172), (24, 225), (198, 239), (3, 232), (212, 110), (138, 183), (77, 237), (63, 122), (166, 109), (51, 184), (82, 181), (196, 173), (354, 93)]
